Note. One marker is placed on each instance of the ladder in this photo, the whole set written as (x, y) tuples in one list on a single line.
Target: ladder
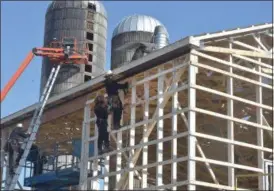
[(33, 127)]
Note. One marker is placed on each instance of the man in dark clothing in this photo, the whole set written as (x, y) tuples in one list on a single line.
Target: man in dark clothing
[(14, 143), (114, 101), (37, 159), (101, 112)]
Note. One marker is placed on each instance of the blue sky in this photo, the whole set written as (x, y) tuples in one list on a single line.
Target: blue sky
[(22, 28)]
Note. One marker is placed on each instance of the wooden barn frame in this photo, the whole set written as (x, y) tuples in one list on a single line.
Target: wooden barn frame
[(199, 114)]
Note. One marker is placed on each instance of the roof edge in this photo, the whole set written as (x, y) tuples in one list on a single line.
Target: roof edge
[(151, 60)]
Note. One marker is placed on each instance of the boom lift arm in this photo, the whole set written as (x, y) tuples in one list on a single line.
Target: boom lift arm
[(16, 75), (60, 53), (65, 52)]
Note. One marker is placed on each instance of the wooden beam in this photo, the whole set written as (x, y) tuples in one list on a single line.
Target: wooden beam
[(231, 75), (146, 116), (160, 129), (174, 132), (119, 143), (200, 150), (227, 164), (259, 42), (247, 46), (253, 61), (231, 64), (84, 149), (221, 116), (236, 51), (191, 171), (150, 128), (260, 132), (132, 136), (236, 32), (230, 124), (233, 142)]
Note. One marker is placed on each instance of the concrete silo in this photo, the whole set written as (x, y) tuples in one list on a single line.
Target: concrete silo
[(87, 22), (134, 37)]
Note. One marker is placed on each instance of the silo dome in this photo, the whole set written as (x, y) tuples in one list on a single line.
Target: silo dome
[(134, 37), (78, 4), (87, 22), (142, 23)]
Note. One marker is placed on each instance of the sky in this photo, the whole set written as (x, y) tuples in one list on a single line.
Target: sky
[(22, 28)]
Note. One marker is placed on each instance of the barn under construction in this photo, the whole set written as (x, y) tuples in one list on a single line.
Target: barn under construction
[(198, 116)]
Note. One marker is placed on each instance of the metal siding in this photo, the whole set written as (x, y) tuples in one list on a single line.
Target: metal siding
[(74, 19), (160, 37), (136, 23), (119, 58)]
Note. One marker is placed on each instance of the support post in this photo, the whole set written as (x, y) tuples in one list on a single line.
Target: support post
[(132, 135), (85, 149), (160, 130), (106, 170), (192, 123), (174, 132), (119, 144), (95, 184), (259, 114), (107, 158), (146, 116), (230, 124)]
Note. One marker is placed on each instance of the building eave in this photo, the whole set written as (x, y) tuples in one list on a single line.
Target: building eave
[(151, 60)]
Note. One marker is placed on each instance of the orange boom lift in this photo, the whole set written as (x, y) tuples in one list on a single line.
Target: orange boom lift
[(65, 52)]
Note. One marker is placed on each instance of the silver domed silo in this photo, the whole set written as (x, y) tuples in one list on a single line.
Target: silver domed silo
[(134, 37), (87, 22)]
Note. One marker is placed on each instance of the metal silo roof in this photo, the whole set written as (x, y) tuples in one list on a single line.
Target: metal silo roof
[(100, 8), (137, 23)]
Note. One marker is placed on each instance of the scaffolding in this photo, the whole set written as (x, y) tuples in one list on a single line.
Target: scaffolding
[(198, 115)]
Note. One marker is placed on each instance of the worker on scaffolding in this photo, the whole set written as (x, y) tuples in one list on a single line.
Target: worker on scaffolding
[(14, 144), (114, 100), (101, 111), (37, 158), (15, 140), (68, 45)]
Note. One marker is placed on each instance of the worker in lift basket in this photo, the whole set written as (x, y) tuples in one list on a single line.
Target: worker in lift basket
[(114, 101), (101, 111), (15, 140)]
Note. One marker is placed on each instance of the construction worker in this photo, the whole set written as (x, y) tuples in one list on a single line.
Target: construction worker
[(114, 101), (101, 111), (68, 46), (15, 140), (37, 159), (55, 43)]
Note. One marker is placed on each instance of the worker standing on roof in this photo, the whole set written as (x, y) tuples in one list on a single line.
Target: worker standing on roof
[(101, 111), (15, 140), (114, 101)]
